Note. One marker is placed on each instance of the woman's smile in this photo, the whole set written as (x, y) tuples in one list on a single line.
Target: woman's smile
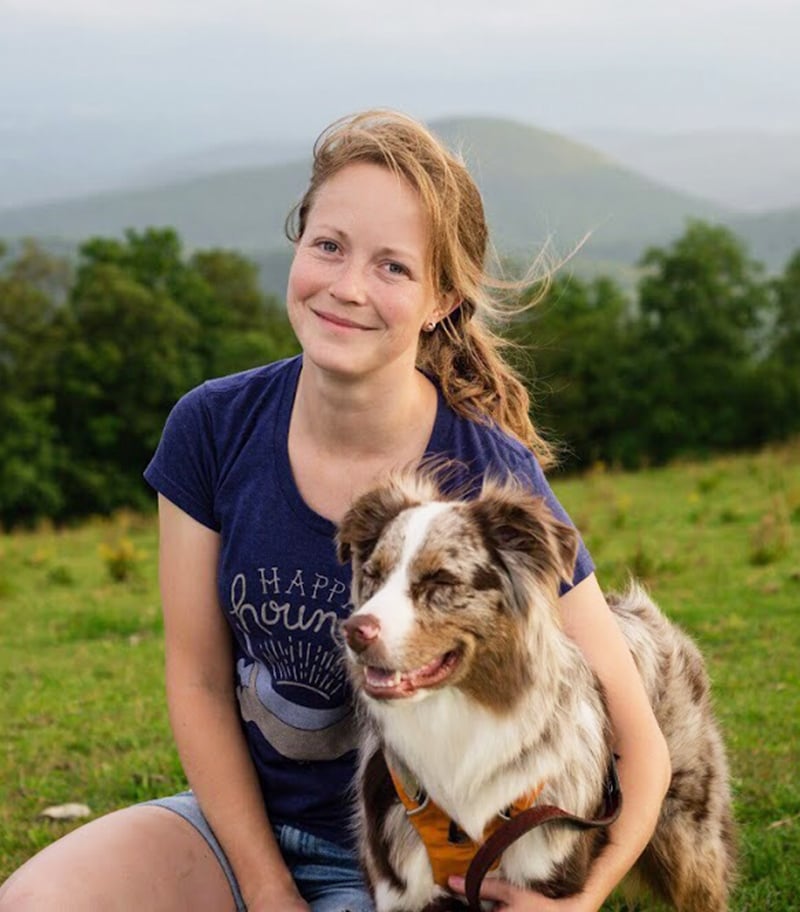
[(336, 320)]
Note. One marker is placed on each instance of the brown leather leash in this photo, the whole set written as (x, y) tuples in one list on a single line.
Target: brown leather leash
[(524, 822)]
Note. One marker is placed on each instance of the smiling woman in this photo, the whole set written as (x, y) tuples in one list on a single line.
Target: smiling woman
[(360, 288), (389, 298)]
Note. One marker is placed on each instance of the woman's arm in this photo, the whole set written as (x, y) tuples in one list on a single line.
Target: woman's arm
[(204, 715), (644, 764)]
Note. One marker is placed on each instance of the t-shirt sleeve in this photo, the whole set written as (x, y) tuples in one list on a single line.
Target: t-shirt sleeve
[(531, 472), (183, 467)]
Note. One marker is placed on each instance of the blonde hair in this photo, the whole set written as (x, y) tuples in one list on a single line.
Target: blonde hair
[(463, 352)]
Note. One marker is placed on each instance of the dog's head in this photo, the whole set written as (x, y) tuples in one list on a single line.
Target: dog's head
[(450, 593)]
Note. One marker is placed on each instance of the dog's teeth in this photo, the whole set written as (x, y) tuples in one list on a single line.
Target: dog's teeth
[(380, 677)]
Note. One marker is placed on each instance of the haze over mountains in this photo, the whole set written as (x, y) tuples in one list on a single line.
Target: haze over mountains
[(749, 170), (639, 190)]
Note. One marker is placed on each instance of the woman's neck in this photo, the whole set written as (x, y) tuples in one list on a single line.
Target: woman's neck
[(366, 418), (345, 437)]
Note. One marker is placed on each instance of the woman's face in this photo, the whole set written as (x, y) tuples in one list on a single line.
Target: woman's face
[(359, 288)]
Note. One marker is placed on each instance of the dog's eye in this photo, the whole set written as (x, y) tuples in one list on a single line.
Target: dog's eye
[(370, 579), (440, 577)]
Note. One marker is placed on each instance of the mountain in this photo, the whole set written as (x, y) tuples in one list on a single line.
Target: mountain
[(741, 169), (771, 237), (242, 208), (537, 185), (227, 157)]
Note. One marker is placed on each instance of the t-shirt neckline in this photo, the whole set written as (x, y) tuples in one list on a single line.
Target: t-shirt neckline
[(437, 445)]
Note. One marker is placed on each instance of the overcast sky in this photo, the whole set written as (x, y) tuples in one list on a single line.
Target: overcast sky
[(247, 68)]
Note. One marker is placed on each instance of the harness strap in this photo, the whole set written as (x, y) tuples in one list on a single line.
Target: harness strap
[(490, 851), (449, 849)]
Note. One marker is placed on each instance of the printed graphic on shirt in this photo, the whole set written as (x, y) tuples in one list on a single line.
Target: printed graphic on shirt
[(291, 683)]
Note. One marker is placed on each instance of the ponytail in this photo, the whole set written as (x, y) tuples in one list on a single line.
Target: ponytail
[(465, 357)]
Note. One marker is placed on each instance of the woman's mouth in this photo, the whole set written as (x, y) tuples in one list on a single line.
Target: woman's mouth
[(343, 322)]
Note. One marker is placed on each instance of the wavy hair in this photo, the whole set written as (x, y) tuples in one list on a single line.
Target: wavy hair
[(464, 353)]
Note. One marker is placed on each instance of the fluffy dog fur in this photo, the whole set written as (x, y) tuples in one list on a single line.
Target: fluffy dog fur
[(468, 682)]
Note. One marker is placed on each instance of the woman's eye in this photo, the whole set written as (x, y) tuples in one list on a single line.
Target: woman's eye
[(396, 269), (328, 246)]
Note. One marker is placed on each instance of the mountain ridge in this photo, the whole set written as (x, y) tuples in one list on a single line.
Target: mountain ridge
[(537, 185)]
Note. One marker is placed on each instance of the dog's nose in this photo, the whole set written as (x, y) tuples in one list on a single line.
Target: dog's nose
[(361, 630)]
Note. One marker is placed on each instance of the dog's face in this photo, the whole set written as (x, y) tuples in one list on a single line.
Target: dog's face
[(449, 593)]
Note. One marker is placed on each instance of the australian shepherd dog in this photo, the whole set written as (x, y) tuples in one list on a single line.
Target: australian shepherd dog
[(477, 709)]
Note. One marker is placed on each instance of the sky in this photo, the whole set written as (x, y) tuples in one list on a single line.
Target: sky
[(217, 71)]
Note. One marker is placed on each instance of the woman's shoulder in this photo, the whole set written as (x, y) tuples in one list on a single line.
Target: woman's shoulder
[(254, 378), (224, 393), (486, 445)]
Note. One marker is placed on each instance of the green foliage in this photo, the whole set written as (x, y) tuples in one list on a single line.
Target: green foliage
[(33, 286), (701, 358), (700, 304), (91, 364), (581, 353), (130, 351), (121, 559)]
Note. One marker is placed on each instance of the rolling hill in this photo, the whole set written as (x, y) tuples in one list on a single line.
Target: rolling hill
[(771, 237), (751, 170), (537, 185)]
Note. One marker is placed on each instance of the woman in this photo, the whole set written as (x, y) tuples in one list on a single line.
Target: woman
[(387, 297)]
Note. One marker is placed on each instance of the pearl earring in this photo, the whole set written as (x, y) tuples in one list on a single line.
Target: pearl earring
[(429, 326)]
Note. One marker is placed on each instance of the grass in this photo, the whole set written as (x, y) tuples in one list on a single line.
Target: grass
[(81, 656)]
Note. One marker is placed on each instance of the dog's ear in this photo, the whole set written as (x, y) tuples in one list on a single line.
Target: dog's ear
[(366, 519), (519, 525)]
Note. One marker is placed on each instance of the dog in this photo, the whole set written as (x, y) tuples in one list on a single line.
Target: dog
[(475, 706)]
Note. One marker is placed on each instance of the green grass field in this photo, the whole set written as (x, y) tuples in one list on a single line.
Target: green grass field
[(81, 677)]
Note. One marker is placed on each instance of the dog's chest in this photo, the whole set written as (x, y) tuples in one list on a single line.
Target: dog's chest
[(468, 762)]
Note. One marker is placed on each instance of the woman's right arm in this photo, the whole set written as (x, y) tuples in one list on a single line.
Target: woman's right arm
[(204, 715)]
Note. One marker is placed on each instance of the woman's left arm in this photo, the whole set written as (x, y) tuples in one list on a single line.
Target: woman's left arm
[(644, 764)]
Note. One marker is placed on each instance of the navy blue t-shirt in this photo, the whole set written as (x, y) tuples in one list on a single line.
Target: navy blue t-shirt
[(223, 459)]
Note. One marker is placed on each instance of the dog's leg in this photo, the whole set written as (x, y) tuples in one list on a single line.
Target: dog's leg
[(690, 860), (393, 855)]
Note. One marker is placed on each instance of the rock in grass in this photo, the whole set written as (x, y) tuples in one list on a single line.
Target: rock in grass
[(71, 811)]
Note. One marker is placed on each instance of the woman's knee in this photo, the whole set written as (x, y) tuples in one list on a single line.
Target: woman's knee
[(127, 860)]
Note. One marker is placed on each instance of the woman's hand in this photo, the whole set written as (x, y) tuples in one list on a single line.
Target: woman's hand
[(515, 899)]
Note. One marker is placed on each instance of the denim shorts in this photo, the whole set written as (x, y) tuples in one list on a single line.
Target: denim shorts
[(327, 875)]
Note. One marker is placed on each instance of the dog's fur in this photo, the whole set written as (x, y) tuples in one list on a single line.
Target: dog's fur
[(459, 597)]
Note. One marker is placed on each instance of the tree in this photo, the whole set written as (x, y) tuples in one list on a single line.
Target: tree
[(33, 285), (777, 401), (701, 303), (130, 351), (241, 327), (142, 325), (577, 356)]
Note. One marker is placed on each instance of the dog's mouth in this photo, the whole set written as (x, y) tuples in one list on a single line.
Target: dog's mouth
[(391, 684)]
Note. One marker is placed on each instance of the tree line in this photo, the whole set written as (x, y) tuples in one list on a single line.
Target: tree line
[(93, 355)]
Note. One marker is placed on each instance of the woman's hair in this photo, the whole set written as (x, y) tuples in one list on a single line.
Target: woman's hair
[(463, 352)]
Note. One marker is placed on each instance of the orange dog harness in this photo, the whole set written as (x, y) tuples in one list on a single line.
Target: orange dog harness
[(450, 850)]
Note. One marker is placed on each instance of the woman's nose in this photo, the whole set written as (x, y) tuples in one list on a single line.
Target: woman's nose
[(349, 283)]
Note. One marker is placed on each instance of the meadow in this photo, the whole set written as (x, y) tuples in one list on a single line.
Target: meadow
[(716, 542)]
